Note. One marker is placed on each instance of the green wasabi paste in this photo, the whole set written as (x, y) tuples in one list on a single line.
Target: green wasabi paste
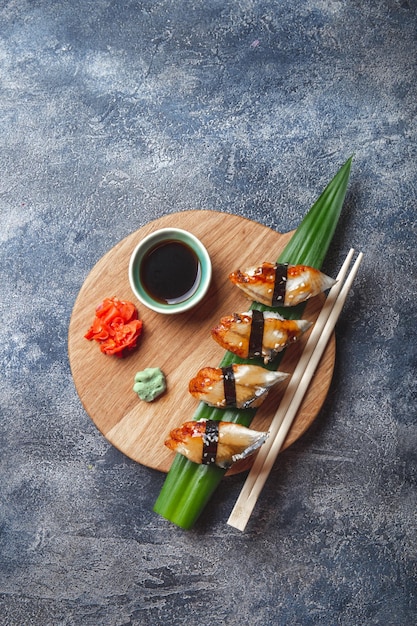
[(149, 384)]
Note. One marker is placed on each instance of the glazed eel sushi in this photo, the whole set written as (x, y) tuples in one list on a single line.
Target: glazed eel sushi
[(212, 442), (238, 385), (280, 284), (257, 333)]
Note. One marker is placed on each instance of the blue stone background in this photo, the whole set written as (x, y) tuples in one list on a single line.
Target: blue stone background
[(113, 113)]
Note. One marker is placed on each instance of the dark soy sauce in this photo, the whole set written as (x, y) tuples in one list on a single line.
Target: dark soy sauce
[(170, 272)]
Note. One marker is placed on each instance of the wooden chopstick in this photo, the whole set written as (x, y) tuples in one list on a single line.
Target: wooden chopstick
[(294, 394)]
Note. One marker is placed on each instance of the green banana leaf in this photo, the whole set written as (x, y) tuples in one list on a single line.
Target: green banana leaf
[(189, 486)]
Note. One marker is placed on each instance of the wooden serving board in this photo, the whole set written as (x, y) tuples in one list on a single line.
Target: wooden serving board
[(179, 344)]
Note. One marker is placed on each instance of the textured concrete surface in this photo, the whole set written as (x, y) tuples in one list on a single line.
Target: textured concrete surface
[(113, 113)]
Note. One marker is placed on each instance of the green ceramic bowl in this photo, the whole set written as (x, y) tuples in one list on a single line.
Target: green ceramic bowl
[(170, 271)]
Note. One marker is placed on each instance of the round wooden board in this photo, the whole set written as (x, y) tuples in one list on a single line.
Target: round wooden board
[(179, 344)]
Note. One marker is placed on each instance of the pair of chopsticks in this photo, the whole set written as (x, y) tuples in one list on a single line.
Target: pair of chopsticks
[(294, 394)]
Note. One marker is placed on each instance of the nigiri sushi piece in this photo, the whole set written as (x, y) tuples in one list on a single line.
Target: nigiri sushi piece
[(238, 385), (214, 442), (257, 333), (280, 284)]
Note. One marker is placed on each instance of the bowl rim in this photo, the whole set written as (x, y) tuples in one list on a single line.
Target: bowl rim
[(160, 235)]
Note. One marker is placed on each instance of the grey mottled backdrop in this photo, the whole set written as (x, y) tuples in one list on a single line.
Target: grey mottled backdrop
[(116, 112)]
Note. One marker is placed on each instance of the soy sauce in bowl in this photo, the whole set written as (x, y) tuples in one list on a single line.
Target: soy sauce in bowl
[(170, 272)]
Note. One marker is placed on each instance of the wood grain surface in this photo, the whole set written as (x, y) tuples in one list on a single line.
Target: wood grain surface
[(179, 344)]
